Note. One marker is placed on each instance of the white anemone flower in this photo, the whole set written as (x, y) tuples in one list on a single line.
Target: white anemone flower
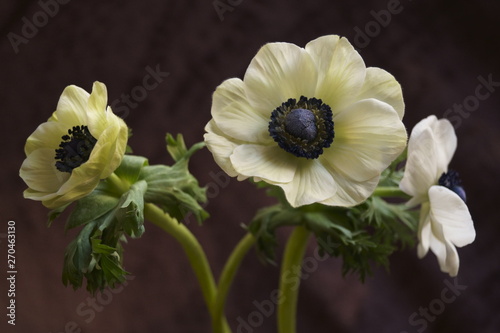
[(314, 121), (445, 222), (82, 142)]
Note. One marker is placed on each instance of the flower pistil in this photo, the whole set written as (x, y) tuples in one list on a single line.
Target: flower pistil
[(302, 128), (452, 181), (75, 148)]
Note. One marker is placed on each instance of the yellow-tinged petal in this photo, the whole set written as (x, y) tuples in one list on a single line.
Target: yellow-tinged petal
[(381, 85), (278, 72), (76, 108), (341, 71), (269, 163), (311, 183), (220, 147), (368, 137), (350, 192), (39, 171), (235, 117), (72, 107), (369, 133), (47, 135)]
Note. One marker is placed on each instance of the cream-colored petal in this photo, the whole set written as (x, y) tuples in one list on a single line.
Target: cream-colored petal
[(341, 71), (368, 136), (220, 147), (99, 115), (451, 212), (381, 85), (452, 261), (82, 181), (350, 192), (421, 169), (424, 230), (278, 72), (39, 172), (444, 141), (445, 251), (72, 107), (98, 99), (312, 183), (235, 117), (39, 196), (47, 135), (110, 148), (269, 163)]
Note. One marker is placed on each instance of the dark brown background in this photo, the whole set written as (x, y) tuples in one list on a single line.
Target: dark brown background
[(436, 49)]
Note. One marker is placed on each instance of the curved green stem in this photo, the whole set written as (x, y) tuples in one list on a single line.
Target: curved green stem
[(227, 277), (194, 252), (117, 185), (290, 279), (390, 191)]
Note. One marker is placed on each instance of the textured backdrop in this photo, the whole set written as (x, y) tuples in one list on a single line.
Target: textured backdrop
[(440, 51)]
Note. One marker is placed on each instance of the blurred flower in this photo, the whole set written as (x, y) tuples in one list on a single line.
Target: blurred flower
[(314, 121), (445, 221), (81, 143)]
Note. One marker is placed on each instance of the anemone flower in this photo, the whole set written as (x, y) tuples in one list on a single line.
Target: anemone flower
[(314, 121), (445, 221), (82, 142)]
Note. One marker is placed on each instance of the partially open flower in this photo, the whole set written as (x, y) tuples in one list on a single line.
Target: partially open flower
[(314, 121), (445, 221), (82, 142)]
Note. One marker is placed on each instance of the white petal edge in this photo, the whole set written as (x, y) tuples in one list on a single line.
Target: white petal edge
[(312, 183), (381, 85), (72, 107), (40, 173), (235, 117), (220, 147), (368, 136), (422, 167), (350, 192), (46, 135), (341, 70), (279, 71), (451, 212), (270, 163), (443, 137)]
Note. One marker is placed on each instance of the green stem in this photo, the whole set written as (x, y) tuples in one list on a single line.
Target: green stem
[(290, 279), (390, 191), (117, 185), (227, 277), (194, 252)]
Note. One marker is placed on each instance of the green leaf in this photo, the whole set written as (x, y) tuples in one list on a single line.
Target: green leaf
[(319, 222), (131, 209), (91, 208), (177, 147), (175, 190), (53, 214), (78, 256), (131, 167)]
